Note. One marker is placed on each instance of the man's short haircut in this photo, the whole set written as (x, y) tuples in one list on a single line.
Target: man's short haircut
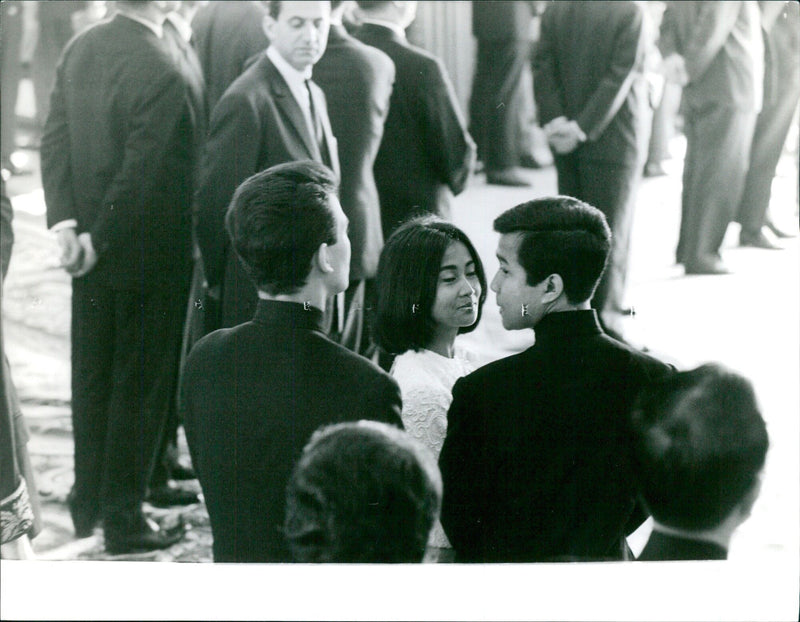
[(407, 279), (699, 445), (277, 220), (362, 492), (371, 5), (560, 235)]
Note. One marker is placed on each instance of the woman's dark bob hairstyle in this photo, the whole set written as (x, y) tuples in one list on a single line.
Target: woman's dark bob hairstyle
[(408, 276)]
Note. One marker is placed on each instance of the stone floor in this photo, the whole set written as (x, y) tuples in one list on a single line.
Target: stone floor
[(748, 320)]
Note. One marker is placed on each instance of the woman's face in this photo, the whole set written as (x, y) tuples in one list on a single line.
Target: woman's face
[(458, 289)]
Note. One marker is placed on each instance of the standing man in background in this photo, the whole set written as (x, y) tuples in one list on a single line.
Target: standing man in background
[(426, 154), (357, 81), (118, 157), (721, 49), (272, 113), (592, 99)]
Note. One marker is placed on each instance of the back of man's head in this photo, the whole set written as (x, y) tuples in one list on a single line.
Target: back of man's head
[(278, 219), (401, 13), (699, 445), (560, 235), (362, 492)]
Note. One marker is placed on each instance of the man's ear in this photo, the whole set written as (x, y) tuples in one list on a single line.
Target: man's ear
[(322, 260), (267, 24), (554, 286)]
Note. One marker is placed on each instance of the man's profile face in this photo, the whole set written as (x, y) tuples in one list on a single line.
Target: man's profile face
[(520, 304), (300, 32), (339, 253)]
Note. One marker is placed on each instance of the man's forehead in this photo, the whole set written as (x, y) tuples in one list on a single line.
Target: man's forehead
[(508, 245)]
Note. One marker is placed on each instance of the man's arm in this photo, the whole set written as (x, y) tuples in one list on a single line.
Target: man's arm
[(447, 140), (230, 157), (548, 93), (711, 28), (627, 59)]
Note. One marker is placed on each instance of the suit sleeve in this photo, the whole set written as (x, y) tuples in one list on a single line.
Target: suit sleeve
[(628, 59), (55, 158), (548, 94), (710, 29), (448, 142), (467, 491), (230, 157), (154, 118)]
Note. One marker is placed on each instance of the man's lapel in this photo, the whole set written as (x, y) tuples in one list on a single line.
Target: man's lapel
[(291, 111)]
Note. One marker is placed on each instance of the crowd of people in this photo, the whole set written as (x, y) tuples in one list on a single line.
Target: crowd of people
[(253, 200)]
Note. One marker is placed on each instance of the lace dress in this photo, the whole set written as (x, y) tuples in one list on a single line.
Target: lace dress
[(426, 382)]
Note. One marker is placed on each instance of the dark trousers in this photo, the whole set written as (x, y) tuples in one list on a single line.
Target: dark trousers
[(496, 102), (772, 126), (11, 72), (610, 187), (125, 346), (717, 156)]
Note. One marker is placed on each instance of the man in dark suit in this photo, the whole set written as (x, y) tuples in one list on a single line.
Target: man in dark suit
[(226, 35), (426, 154), (118, 157), (536, 462), (253, 394), (497, 102), (721, 47), (700, 445), (781, 22), (592, 100), (272, 113), (357, 81)]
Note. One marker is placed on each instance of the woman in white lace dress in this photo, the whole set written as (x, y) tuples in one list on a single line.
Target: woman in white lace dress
[(431, 287)]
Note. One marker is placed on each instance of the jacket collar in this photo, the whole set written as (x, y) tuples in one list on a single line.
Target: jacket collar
[(292, 315), (567, 324)]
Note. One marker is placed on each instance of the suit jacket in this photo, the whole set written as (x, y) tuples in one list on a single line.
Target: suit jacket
[(536, 463), (426, 154), (119, 151), (357, 81), (589, 67), (252, 397), (665, 547), (256, 124), (502, 20), (226, 34), (721, 70)]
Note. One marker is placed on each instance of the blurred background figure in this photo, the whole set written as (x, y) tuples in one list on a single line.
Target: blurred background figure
[(226, 35), (19, 498), (357, 81), (498, 104), (362, 492), (718, 47), (699, 448), (592, 101), (781, 26), (426, 155)]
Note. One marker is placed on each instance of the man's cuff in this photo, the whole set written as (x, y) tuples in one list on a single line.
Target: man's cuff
[(70, 223)]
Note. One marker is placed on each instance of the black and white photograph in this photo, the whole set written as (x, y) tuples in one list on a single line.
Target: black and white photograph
[(382, 310)]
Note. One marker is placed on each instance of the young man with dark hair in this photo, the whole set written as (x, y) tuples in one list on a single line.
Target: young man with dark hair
[(362, 492), (699, 448), (536, 463), (253, 394)]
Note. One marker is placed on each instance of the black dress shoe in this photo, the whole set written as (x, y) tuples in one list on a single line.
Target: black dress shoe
[(167, 496), (507, 177), (706, 264), (181, 473), (763, 239), (528, 161), (83, 520), (137, 533)]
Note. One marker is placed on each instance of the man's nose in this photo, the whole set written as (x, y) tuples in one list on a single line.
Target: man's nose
[(494, 285)]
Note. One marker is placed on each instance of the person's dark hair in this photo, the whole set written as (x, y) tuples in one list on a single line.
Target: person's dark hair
[(407, 279), (560, 235), (371, 5), (277, 220), (699, 444), (362, 492)]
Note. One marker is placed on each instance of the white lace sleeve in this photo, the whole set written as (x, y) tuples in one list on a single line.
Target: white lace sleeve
[(425, 414)]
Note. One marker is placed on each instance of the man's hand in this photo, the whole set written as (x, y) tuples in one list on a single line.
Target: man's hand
[(71, 250), (563, 135), (89, 254), (674, 69)]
